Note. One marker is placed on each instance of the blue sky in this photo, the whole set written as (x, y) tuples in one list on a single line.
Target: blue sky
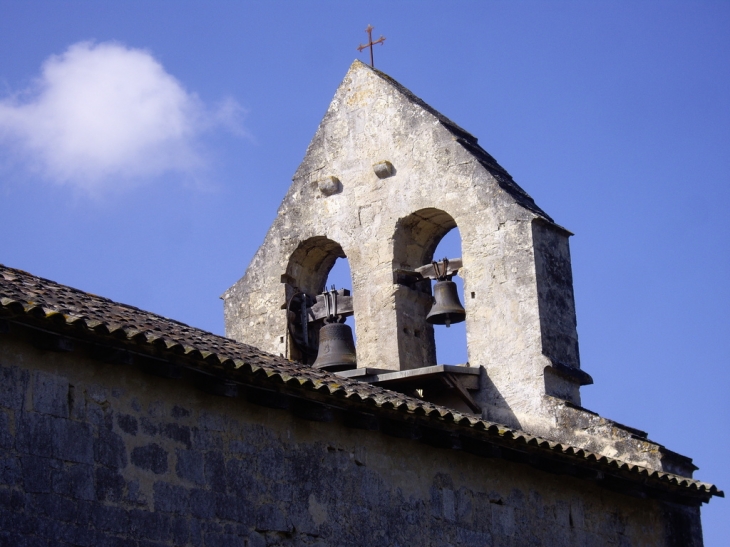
[(614, 116)]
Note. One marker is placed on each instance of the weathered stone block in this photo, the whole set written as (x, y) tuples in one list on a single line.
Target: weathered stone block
[(179, 412), (213, 422), (109, 484), (127, 423), (13, 384), (54, 531), (53, 506), (195, 539), (81, 535), (177, 433), (239, 476), (202, 504), (148, 426), (75, 481), (190, 466), (271, 518), (11, 472), (6, 436), (228, 508), (110, 519), (171, 498), (215, 471), (180, 531), (73, 441), (110, 450), (149, 525), (34, 434), (151, 457), (134, 495), (503, 520), (204, 439), (37, 473), (11, 500), (50, 394)]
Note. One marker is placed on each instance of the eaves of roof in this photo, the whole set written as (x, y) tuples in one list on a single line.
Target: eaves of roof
[(171, 348)]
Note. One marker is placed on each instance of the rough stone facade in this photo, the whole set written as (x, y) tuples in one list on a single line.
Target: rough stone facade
[(383, 180), (520, 309), (95, 454), (122, 428)]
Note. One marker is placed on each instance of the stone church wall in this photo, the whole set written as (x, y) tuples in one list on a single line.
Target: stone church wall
[(95, 454)]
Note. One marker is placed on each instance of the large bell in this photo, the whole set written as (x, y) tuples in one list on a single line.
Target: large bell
[(447, 308), (336, 348)]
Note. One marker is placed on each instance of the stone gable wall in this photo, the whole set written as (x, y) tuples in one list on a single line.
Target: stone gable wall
[(99, 455), (386, 222)]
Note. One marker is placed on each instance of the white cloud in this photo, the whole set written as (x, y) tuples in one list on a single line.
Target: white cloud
[(103, 114)]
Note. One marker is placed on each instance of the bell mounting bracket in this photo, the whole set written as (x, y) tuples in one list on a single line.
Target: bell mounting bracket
[(332, 306), (444, 269)]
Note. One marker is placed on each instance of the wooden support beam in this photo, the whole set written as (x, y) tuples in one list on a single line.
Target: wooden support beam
[(319, 309), (455, 264), (462, 392)]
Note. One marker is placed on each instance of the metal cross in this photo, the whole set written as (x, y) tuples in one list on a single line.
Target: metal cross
[(370, 43)]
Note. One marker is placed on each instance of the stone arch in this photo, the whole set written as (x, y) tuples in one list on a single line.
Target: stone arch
[(307, 271), (415, 239), (311, 262), (417, 236)]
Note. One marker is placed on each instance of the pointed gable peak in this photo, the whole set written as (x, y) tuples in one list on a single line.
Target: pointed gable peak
[(363, 86), (410, 97)]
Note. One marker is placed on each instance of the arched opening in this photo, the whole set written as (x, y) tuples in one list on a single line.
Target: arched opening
[(311, 262), (416, 243), (451, 342), (340, 277), (315, 265)]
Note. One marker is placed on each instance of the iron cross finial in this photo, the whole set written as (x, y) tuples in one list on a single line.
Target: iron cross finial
[(370, 43)]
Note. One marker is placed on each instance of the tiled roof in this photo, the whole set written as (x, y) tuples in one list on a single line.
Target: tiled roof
[(34, 301)]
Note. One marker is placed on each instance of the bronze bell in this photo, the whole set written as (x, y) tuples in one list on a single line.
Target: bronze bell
[(447, 308), (336, 348)]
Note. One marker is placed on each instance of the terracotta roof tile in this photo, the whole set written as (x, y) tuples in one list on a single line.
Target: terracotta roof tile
[(23, 295)]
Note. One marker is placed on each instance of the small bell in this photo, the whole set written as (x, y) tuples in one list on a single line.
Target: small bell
[(447, 308), (336, 348)]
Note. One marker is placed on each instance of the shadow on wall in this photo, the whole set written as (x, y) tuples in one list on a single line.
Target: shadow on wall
[(494, 407)]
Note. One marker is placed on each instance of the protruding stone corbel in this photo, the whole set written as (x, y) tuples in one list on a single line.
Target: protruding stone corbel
[(384, 169), (329, 185), (572, 374)]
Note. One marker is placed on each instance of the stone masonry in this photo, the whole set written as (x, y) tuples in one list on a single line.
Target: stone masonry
[(383, 180), (96, 454), (121, 428)]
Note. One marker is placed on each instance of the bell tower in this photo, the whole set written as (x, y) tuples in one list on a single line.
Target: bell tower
[(383, 180)]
